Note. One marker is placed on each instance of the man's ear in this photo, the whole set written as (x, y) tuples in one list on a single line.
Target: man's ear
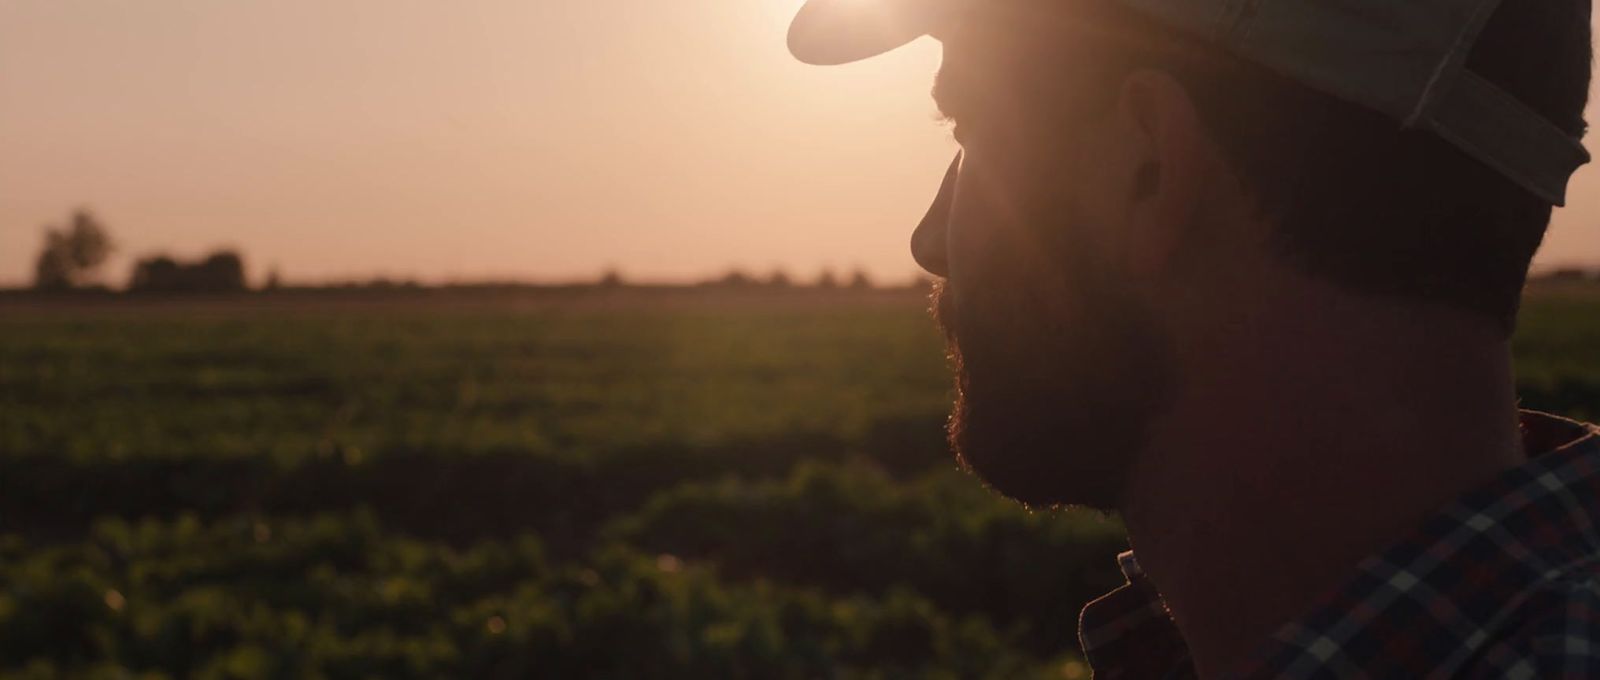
[(1168, 162)]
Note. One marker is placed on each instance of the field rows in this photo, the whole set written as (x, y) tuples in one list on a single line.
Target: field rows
[(722, 489)]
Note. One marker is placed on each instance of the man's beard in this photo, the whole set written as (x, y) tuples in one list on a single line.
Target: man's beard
[(1053, 405)]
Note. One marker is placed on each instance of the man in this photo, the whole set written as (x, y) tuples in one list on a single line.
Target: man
[(1245, 271)]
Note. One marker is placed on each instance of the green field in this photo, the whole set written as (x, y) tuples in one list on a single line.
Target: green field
[(612, 484)]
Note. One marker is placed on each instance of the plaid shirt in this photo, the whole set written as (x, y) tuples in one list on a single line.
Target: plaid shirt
[(1503, 583)]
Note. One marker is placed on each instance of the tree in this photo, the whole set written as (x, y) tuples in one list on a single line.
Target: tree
[(735, 278), (72, 254), (221, 272), (778, 279), (52, 271), (860, 281), (827, 280), (1568, 274), (155, 273)]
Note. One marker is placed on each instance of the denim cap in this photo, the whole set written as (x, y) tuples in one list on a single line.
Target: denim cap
[(1403, 58)]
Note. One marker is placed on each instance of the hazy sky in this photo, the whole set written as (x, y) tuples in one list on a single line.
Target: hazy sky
[(528, 139)]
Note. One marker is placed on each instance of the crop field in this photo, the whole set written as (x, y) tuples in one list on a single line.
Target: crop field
[(606, 484)]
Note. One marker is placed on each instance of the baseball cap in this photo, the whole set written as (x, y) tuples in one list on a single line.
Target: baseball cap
[(1403, 58)]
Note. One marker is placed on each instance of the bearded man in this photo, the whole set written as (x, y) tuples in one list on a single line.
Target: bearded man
[(1244, 271)]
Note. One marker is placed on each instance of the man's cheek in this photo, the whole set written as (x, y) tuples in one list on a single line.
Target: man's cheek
[(977, 242)]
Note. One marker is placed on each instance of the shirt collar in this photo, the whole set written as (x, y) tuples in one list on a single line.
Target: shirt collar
[(1467, 565)]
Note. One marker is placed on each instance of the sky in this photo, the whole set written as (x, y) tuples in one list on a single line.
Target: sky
[(493, 139)]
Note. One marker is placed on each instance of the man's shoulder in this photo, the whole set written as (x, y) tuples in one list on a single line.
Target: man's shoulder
[(1553, 633)]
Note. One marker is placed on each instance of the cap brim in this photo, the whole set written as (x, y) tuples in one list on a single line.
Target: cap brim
[(829, 32)]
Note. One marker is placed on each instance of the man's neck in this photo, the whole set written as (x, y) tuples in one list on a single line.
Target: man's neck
[(1307, 446)]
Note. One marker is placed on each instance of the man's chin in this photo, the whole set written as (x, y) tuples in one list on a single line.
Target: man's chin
[(1051, 417), (1041, 462)]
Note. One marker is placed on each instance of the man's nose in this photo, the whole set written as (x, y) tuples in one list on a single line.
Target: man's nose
[(928, 246)]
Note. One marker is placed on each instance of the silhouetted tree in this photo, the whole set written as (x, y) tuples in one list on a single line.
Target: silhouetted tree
[(735, 278), (52, 271), (222, 271), (155, 273), (611, 278), (274, 280), (827, 280), (1568, 274), (859, 280), (72, 253), (778, 279)]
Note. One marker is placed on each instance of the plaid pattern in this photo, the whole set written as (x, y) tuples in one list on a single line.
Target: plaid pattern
[(1503, 583)]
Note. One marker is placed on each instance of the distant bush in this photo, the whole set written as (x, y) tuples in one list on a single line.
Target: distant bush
[(1568, 274), (220, 272), (827, 280), (734, 278), (859, 280)]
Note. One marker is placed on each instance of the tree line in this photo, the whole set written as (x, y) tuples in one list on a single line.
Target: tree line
[(74, 253)]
